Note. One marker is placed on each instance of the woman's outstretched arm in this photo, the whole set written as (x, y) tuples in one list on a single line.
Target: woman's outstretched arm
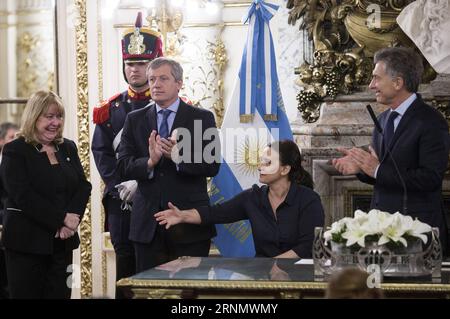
[(174, 216)]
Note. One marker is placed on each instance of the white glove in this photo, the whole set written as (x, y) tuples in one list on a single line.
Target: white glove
[(127, 190)]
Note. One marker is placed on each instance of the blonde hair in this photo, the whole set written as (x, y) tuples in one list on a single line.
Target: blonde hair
[(37, 105)]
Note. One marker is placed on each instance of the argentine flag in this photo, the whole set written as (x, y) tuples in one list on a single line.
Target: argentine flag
[(254, 117)]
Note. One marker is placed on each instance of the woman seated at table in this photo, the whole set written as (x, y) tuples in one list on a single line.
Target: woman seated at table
[(283, 213)]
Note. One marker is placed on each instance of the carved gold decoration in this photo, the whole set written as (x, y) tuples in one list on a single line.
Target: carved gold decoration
[(83, 143), (158, 293), (136, 45), (203, 84), (28, 43), (218, 52), (284, 289), (290, 295), (33, 70), (224, 284), (166, 18), (344, 43), (174, 44), (100, 98), (237, 4), (330, 74), (281, 285), (51, 81), (367, 34)]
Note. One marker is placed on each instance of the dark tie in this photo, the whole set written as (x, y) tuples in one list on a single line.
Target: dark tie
[(164, 128), (389, 131)]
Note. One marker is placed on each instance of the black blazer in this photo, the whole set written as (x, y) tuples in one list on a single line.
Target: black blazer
[(185, 187), (31, 217), (420, 147)]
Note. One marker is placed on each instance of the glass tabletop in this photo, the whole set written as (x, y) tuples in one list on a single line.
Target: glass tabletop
[(253, 269)]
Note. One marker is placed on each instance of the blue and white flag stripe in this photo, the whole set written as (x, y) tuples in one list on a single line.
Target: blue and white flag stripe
[(258, 68), (250, 72), (257, 86)]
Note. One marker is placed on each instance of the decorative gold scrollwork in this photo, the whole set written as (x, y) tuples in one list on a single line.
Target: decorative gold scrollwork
[(219, 53), (83, 144), (344, 43), (331, 73)]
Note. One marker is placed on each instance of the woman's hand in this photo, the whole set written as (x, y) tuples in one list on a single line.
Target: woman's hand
[(169, 217), (64, 233), (176, 265), (276, 273), (72, 221)]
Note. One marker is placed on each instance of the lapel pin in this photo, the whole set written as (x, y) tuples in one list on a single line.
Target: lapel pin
[(68, 159)]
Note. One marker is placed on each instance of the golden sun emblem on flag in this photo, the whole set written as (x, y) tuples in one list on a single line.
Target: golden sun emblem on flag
[(248, 156)]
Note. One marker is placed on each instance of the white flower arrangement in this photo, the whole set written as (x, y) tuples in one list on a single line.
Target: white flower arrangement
[(378, 226)]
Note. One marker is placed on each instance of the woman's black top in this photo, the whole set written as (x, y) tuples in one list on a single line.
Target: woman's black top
[(60, 198), (292, 228)]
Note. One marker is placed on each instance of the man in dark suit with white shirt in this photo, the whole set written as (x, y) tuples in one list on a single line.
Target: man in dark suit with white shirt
[(417, 137), (145, 154)]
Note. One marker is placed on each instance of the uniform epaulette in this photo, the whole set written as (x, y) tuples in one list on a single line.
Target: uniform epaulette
[(186, 100), (101, 112)]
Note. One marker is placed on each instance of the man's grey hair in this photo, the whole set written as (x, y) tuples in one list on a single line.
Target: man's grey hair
[(175, 67), (402, 62), (5, 127)]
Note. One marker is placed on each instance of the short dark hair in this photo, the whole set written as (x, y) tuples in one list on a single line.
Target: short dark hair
[(402, 62), (5, 127)]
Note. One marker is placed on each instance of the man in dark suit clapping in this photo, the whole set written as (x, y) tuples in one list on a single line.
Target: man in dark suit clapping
[(150, 140), (417, 137)]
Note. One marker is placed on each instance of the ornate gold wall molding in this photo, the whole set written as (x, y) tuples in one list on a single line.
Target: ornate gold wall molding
[(100, 97), (219, 54), (83, 143), (24, 12), (204, 77), (236, 4), (344, 43), (210, 25), (25, 25), (33, 70), (189, 25), (99, 51), (32, 12)]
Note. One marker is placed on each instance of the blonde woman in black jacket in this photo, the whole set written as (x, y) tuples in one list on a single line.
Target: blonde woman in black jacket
[(47, 193)]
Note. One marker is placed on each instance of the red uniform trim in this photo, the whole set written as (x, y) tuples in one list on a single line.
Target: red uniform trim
[(101, 112)]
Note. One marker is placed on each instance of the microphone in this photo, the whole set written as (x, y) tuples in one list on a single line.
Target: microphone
[(380, 130), (374, 119)]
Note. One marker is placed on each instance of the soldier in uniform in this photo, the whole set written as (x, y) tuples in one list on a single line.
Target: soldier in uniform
[(139, 47)]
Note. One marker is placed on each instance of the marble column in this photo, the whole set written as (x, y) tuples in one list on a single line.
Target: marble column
[(35, 46), (5, 56), (35, 43)]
